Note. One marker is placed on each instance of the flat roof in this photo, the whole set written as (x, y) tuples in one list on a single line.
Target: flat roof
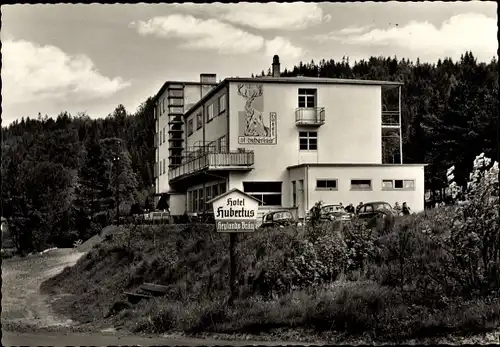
[(184, 83), (294, 80), (313, 80), (349, 165)]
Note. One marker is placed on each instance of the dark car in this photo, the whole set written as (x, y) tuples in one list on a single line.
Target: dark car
[(376, 208), (278, 219)]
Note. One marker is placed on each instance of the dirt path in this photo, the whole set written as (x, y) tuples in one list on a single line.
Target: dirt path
[(22, 302)]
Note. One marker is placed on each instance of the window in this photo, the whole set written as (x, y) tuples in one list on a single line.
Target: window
[(361, 184), (269, 193), (199, 120), (160, 167), (326, 184), (190, 127), (308, 140), (201, 200), (164, 165), (176, 110), (164, 132), (176, 102), (294, 194), (210, 112), (222, 103), (195, 200), (190, 201), (208, 196), (175, 93), (398, 184), (161, 136), (222, 188), (368, 208), (222, 144), (307, 98), (215, 191)]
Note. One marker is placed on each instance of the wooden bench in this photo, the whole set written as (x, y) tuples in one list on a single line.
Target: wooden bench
[(146, 291), (154, 289), (134, 298)]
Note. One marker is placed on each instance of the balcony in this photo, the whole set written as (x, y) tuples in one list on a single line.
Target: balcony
[(237, 161), (390, 119), (310, 116)]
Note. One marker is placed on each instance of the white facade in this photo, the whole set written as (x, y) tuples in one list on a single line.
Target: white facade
[(174, 99), (292, 142)]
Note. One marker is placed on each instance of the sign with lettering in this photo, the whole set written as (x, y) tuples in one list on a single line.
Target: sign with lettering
[(256, 127), (235, 211)]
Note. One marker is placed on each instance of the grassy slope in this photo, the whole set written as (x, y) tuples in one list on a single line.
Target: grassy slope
[(193, 262)]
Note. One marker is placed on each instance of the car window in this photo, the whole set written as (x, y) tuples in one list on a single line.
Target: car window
[(282, 215), (368, 208), (269, 217)]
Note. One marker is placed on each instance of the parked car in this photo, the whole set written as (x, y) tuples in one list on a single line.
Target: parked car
[(333, 212), (376, 208), (278, 218)]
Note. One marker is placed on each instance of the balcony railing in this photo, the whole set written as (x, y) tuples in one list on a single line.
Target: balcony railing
[(310, 116), (214, 161), (390, 118)]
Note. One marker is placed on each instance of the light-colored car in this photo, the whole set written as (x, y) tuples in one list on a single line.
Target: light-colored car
[(332, 213)]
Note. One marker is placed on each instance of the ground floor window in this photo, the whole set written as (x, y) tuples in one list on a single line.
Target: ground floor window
[(269, 193), (326, 184), (197, 198), (361, 184), (398, 184)]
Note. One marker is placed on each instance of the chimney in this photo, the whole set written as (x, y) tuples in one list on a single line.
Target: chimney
[(276, 66), (206, 78)]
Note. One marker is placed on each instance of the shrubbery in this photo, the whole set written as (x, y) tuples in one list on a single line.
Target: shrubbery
[(421, 275)]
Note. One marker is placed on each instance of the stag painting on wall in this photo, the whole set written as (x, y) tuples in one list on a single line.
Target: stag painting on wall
[(253, 126)]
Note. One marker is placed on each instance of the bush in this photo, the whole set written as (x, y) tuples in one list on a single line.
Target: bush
[(415, 276)]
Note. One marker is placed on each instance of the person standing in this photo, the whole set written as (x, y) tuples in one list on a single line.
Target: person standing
[(405, 209), (359, 206), (350, 208)]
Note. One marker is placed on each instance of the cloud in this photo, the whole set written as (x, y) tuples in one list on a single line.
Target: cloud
[(199, 33), (337, 34), (470, 31), (31, 72), (213, 34), (353, 30), (264, 16), (283, 47)]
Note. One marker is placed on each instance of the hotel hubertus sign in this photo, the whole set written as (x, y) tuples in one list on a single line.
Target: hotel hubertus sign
[(235, 211)]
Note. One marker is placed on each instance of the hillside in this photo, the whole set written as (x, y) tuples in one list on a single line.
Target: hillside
[(314, 284)]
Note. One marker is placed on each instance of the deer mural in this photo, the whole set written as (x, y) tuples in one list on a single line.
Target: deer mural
[(254, 124)]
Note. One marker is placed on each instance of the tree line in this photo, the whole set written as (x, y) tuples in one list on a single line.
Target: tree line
[(449, 109), (59, 175)]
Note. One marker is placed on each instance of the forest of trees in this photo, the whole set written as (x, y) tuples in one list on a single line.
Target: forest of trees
[(58, 175), (449, 109)]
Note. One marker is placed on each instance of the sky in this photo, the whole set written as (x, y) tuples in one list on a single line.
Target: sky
[(91, 58)]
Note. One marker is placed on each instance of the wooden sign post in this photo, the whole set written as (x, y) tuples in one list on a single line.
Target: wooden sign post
[(234, 212)]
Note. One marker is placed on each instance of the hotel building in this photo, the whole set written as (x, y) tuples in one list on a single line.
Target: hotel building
[(289, 141)]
